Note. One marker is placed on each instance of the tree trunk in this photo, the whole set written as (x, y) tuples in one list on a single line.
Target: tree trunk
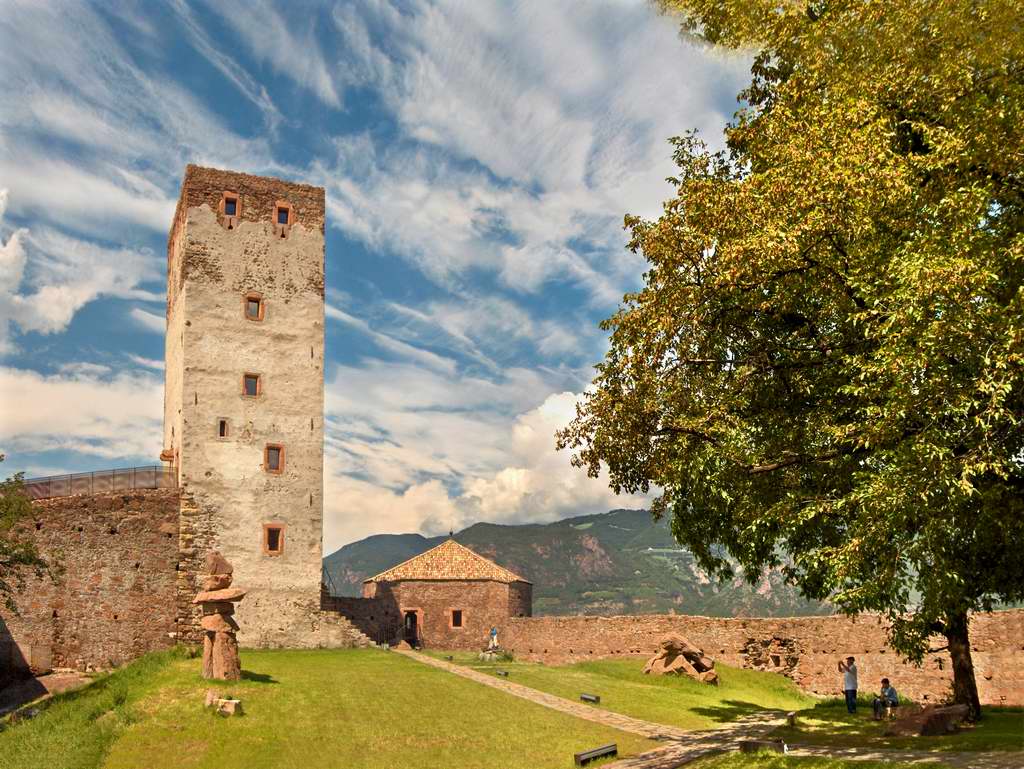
[(965, 688)]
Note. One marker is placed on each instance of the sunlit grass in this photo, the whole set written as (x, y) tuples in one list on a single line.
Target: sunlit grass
[(681, 701), (310, 709)]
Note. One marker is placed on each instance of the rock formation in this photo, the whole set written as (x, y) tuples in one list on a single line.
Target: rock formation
[(676, 655), (218, 599), (927, 722)]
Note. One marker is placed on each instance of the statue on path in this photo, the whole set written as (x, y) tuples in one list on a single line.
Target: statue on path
[(218, 599)]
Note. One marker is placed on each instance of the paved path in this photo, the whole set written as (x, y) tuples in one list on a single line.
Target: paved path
[(686, 746)]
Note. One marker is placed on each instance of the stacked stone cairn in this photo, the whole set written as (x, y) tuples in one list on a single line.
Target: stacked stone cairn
[(677, 656), (218, 599)]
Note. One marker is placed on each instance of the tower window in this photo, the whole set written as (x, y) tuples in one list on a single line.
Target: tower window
[(273, 458), (222, 428), (273, 538), (254, 306), (251, 385), (282, 215), (230, 206), (282, 218), (456, 617)]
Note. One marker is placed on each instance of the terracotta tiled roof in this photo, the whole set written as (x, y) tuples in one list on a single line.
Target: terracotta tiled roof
[(449, 560)]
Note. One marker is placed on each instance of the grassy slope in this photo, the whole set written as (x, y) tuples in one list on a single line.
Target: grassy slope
[(679, 702), (828, 723), (310, 709)]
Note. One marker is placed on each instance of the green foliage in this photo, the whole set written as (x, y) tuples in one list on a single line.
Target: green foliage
[(315, 709), (824, 369), (681, 702), (17, 556)]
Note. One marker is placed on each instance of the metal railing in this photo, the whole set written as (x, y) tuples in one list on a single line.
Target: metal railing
[(124, 479)]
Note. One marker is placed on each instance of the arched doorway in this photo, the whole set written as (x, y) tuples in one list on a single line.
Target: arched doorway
[(410, 630)]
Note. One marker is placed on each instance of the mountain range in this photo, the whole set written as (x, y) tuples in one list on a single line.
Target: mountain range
[(620, 562)]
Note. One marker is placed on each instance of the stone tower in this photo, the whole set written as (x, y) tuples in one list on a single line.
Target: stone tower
[(244, 393)]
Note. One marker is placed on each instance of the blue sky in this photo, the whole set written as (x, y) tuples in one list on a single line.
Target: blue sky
[(478, 159)]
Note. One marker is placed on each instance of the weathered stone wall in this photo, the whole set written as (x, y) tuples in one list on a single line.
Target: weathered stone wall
[(229, 496), (114, 596), (520, 599), (804, 648)]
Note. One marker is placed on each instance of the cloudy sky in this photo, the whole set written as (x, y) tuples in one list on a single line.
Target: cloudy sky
[(478, 158)]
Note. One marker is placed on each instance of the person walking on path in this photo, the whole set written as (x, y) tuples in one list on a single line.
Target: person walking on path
[(849, 671)]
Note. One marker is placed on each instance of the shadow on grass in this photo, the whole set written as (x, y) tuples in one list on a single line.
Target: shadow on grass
[(727, 710), (259, 678)]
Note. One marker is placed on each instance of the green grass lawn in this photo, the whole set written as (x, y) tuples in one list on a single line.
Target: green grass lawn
[(774, 761), (680, 702), (828, 723), (310, 709)]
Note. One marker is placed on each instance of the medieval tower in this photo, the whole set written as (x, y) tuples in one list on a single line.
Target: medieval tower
[(244, 392)]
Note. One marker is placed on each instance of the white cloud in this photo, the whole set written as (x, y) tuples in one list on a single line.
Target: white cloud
[(46, 276), (138, 360), (478, 467), (288, 43), (82, 409), (558, 124), (149, 321)]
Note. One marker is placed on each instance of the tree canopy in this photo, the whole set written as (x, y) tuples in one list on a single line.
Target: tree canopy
[(823, 370), (18, 556)]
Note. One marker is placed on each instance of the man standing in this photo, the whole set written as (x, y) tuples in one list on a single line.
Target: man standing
[(493, 643), (849, 671)]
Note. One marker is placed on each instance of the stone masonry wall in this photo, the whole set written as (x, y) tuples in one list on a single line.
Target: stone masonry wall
[(115, 593), (804, 648), (215, 262)]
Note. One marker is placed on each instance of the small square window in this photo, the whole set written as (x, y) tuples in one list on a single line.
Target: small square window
[(456, 617), (230, 206), (254, 307), (251, 385), (273, 539), (222, 428), (273, 458), (282, 215)]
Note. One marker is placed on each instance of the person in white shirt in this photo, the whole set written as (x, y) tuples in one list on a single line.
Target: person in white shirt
[(849, 671)]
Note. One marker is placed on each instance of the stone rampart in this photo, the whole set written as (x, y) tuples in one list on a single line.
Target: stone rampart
[(804, 648), (114, 593)]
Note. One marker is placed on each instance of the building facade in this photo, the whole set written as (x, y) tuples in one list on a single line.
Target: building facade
[(243, 399), (447, 598)]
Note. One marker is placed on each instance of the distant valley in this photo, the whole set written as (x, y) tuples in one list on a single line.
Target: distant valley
[(620, 562)]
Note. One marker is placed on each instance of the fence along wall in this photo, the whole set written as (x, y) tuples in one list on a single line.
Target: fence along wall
[(804, 648), (114, 597)]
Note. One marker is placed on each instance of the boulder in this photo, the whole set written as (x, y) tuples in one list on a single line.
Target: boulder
[(227, 594), (931, 721), (677, 656), (217, 582), (218, 607), (219, 623), (217, 564)]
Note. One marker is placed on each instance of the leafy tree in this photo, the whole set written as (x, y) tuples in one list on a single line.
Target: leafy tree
[(16, 555), (823, 371)]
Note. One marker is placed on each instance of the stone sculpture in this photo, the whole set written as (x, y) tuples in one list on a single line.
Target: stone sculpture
[(676, 656), (218, 599)]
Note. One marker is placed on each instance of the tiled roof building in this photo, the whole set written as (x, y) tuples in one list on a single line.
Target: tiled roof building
[(449, 560), (448, 597)]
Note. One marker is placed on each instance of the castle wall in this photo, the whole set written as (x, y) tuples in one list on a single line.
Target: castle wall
[(228, 496), (804, 648), (114, 594)]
